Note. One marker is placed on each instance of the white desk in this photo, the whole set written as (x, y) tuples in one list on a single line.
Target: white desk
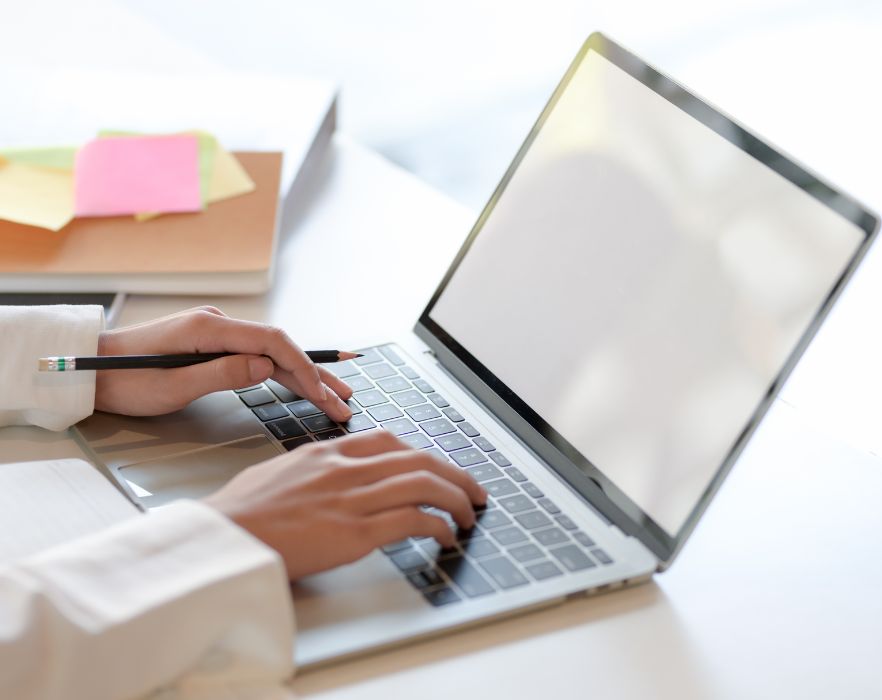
[(776, 596)]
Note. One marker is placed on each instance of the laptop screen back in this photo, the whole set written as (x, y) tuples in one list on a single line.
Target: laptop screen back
[(639, 283)]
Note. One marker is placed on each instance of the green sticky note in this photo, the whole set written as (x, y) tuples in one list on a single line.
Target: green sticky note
[(56, 157), (207, 148)]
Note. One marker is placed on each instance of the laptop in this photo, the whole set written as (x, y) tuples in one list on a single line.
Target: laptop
[(600, 351)]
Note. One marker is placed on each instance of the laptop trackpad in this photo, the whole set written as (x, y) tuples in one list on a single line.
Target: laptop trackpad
[(195, 474)]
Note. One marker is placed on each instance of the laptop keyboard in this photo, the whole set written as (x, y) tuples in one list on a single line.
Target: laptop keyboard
[(521, 536)]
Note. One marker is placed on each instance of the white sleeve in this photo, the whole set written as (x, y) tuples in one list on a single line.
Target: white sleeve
[(53, 400), (180, 598)]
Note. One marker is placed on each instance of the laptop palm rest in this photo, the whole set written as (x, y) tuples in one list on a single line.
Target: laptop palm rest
[(195, 474)]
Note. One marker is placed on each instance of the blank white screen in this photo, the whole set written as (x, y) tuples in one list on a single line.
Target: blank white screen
[(639, 284)]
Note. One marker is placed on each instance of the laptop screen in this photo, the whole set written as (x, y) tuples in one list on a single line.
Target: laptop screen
[(638, 282)]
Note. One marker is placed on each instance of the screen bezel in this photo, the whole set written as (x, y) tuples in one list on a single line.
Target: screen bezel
[(583, 476)]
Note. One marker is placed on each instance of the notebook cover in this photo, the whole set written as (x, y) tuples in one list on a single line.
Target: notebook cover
[(234, 235)]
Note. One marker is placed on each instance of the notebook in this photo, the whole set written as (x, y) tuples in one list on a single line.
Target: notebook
[(226, 249)]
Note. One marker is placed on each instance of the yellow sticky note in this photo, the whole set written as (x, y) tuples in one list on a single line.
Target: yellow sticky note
[(34, 196), (58, 157), (229, 178)]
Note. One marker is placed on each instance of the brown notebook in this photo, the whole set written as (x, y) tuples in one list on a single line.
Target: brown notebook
[(225, 249)]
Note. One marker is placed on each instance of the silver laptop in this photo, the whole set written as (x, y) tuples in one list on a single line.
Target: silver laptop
[(616, 325)]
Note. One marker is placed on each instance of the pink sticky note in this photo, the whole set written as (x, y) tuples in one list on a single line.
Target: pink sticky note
[(116, 176)]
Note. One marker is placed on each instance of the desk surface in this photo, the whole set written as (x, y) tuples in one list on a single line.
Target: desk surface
[(776, 595)]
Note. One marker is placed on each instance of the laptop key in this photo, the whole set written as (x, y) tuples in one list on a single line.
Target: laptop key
[(285, 428), (379, 371), (395, 383), (565, 521), (410, 397), (369, 398), (549, 505), (396, 546), (490, 519), (551, 537), (583, 539), (270, 412), (508, 535), (602, 556), (359, 383), (247, 388), (439, 426), (408, 560), (422, 412), (303, 408), (295, 442), (438, 400), (448, 443), (484, 472), (466, 576), (543, 570), (516, 504), (471, 431), (316, 424), (533, 519), (526, 552), (479, 547), (441, 596), (500, 459), (416, 440), (573, 558), (342, 369), (368, 357), (469, 457), (257, 397), (504, 573), (358, 423), (453, 414), (500, 487), (408, 372), (399, 426), (330, 434), (433, 577), (417, 580), (353, 406), (483, 443), (532, 490), (515, 474), (385, 411), (284, 393), (423, 386), (391, 355)]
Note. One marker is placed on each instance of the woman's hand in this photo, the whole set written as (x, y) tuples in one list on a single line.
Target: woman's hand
[(333, 502), (145, 392)]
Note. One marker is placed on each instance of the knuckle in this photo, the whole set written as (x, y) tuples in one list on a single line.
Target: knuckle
[(207, 308)]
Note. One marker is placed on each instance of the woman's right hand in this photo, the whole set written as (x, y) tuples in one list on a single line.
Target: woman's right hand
[(333, 502)]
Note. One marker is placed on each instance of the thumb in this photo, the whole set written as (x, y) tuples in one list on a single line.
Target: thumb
[(232, 372)]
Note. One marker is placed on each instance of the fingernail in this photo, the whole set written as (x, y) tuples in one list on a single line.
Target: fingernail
[(259, 368)]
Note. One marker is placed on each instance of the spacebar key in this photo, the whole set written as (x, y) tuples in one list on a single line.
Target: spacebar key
[(465, 576)]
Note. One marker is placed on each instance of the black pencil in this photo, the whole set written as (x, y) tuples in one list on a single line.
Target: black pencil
[(68, 364)]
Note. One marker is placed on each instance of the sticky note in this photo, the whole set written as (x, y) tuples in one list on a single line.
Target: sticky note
[(227, 179), (125, 175), (58, 157), (207, 146), (36, 196)]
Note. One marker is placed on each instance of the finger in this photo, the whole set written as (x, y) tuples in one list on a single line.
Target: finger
[(378, 467), (408, 521), (413, 489), (337, 385), (185, 384), (332, 404), (232, 335), (369, 443)]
